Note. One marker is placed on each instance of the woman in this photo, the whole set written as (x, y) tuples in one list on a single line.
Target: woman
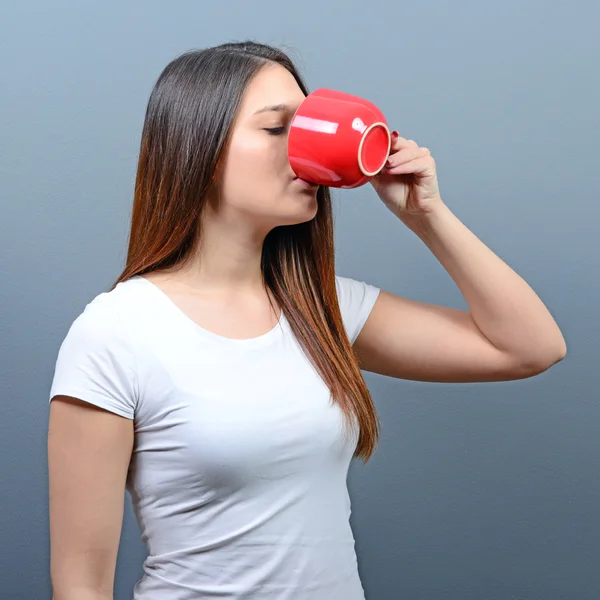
[(219, 380)]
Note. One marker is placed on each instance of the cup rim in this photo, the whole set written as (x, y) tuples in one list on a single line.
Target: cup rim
[(362, 141), (290, 130)]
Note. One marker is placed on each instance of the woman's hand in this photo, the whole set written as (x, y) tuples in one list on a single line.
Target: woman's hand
[(408, 183)]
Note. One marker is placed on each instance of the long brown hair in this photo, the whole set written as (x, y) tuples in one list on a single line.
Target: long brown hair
[(185, 135)]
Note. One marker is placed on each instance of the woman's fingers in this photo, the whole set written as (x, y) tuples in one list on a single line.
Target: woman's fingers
[(421, 166), (406, 154)]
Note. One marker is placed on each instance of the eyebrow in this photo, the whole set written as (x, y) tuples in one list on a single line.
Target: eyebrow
[(274, 107)]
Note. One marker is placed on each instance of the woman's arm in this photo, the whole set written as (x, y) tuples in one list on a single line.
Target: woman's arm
[(508, 333), (89, 450)]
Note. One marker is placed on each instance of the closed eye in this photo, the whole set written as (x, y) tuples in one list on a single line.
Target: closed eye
[(275, 130)]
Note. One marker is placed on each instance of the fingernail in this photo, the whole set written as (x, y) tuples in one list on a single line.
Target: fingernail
[(395, 134)]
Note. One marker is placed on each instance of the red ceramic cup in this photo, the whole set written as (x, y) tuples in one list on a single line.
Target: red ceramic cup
[(337, 139)]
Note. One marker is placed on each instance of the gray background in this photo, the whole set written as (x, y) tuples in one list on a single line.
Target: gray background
[(483, 491)]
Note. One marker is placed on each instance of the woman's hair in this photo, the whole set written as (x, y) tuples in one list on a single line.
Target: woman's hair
[(186, 132)]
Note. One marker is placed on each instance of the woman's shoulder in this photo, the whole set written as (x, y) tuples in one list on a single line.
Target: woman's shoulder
[(107, 312), (96, 360), (356, 299), (353, 290)]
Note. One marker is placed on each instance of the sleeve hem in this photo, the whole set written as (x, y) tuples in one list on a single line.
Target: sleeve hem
[(366, 311), (95, 399)]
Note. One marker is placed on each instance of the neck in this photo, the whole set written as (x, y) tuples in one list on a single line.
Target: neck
[(228, 256)]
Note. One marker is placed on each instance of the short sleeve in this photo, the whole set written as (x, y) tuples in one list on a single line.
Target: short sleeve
[(356, 300), (96, 363)]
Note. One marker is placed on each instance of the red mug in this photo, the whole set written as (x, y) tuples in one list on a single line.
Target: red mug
[(337, 139)]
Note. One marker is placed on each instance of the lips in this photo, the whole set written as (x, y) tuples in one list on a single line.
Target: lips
[(306, 183)]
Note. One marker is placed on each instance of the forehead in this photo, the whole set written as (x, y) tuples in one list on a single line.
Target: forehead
[(272, 85)]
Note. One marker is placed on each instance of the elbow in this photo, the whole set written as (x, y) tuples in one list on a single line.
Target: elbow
[(539, 362), (70, 583), (79, 593), (559, 351), (562, 350)]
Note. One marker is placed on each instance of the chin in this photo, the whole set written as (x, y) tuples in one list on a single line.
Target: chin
[(300, 208), (302, 214)]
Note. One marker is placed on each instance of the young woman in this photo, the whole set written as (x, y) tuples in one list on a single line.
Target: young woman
[(219, 381)]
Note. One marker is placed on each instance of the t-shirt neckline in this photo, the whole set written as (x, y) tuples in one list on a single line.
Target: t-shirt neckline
[(256, 341)]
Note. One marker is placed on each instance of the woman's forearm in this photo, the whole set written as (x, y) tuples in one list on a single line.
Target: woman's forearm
[(503, 306)]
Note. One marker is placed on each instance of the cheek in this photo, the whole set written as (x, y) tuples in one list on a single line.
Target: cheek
[(253, 160), (255, 173)]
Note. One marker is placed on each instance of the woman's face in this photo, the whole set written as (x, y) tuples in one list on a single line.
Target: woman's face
[(258, 182)]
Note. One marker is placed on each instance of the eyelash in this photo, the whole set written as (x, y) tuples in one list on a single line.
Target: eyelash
[(275, 130)]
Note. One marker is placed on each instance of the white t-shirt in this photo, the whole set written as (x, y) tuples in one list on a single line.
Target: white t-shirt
[(239, 466)]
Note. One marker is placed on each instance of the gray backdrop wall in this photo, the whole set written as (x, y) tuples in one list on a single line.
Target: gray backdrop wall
[(484, 491)]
